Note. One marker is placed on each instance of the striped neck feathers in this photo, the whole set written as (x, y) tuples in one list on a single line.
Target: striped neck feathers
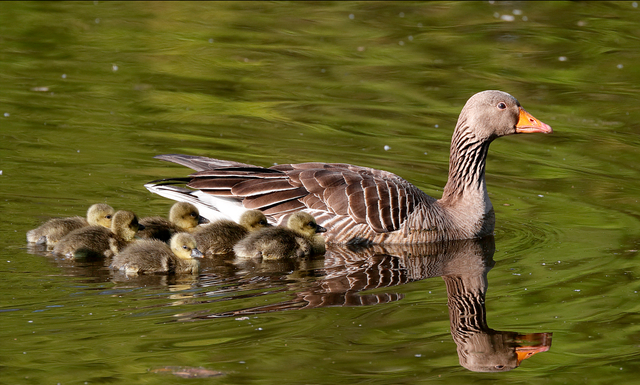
[(467, 161)]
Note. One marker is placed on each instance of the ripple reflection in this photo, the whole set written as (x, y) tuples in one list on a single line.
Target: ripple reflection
[(463, 265)]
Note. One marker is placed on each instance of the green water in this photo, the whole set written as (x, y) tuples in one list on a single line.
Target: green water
[(90, 92)]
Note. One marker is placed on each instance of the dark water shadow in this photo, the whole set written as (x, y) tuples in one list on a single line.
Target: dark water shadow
[(348, 273)]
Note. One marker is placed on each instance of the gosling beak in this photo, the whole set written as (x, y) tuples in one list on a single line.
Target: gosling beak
[(195, 253), (527, 124), (536, 343), (202, 220), (320, 229)]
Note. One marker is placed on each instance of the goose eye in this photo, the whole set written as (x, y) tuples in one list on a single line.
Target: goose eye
[(502, 106)]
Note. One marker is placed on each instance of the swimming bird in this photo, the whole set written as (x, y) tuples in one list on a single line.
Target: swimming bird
[(183, 217), (154, 256), (54, 229), (300, 239), (361, 205), (220, 236), (99, 241)]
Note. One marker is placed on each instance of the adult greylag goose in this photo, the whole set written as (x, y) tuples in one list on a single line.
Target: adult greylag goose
[(183, 217), (54, 229), (98, 241), (154, 256), (300, 239), (360, 204), (220, 236)]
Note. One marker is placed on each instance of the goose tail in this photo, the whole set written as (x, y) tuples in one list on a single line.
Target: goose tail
[(211, 207)]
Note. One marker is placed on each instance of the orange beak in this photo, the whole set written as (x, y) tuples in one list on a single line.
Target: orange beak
[(540, 342), (527, 124)]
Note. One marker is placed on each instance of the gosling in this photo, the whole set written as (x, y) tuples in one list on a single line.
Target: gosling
[(219, 237), (154, 256), (98, 241), (54, 229), (299, 240), (183, 217)]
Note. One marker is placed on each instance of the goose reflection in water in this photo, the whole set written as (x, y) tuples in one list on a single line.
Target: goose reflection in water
[(463, 265)]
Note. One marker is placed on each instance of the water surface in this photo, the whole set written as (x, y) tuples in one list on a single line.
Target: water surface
[(92, 91)]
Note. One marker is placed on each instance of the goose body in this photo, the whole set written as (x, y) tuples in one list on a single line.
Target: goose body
[(299, 240), (99, 241), (183, 217), (220, 236), (54, 229), (154, 256), (360, 204)]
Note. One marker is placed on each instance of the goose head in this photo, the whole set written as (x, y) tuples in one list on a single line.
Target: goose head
[(186, 216), (253, 220), (184, 246), (125, 225), (100, 214), (490, 114), (305, 224)]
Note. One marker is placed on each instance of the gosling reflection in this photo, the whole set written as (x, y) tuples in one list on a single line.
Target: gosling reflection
[(463, 265)]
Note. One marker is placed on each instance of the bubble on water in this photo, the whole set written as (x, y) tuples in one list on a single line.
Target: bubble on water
[(387, 148), (210, 40), (634, 4), (507, 17), (64, 76), (524, 18), (541, 196), (114, 68), (562, 58), (620, 66), (401, 14), (517, 12), (97, 20), (352, 16), (6, 114), (401, 42)]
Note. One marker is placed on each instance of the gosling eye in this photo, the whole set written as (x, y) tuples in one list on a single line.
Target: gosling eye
[(194, 215), (502, 105), (185, 247), (108, 217)]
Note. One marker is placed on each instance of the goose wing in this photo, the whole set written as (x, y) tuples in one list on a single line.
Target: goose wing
[(378, 198)]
